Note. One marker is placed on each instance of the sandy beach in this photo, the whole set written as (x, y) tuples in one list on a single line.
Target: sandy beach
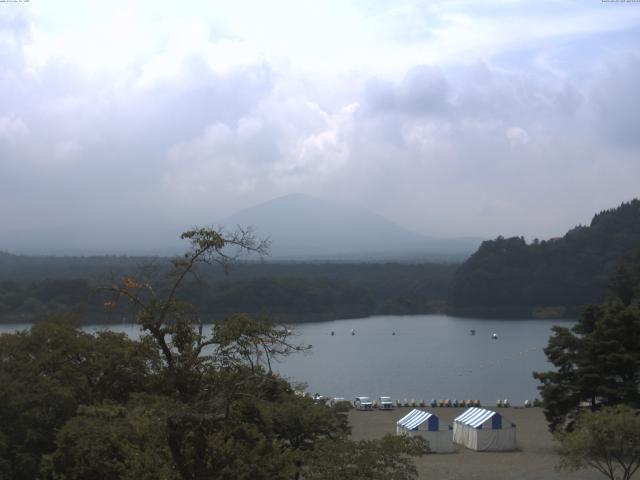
[(534, 459)]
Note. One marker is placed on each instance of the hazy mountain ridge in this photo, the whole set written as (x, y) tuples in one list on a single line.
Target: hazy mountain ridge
[(301, 227), (505, 276)]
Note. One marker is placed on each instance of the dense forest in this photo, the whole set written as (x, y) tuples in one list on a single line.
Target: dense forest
[(556, 277), (32, 288)]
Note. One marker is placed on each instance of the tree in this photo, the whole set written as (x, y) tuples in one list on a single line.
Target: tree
[(47, 372), (507, 276), (180, 403), (597, 360), (237, 418), (384, 459), (114, 441), (174, 325), (5, 467), (607, 440)]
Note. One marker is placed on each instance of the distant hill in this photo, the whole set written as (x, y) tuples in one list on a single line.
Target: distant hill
[(552, 277), (301, 228), (306, 228)]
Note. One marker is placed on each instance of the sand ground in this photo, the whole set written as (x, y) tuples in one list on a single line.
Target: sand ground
[(534, 459)]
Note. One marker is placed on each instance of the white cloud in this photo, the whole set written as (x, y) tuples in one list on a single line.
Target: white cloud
[(517, 136), (67, 151), (12, 128), (450, 117)]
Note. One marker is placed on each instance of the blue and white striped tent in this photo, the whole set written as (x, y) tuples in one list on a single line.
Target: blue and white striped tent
[(426, 424), (475, 417), (415, 418), (482, 430)]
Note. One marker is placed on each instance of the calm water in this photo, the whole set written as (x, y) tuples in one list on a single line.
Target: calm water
[(431, 356)]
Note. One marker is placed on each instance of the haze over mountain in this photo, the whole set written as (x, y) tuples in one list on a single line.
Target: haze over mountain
[(302, 227)]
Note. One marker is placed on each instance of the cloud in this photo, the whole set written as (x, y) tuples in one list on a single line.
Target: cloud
[(449, 117), (264, 154), (424, 90), (12, 128), (517, 136), (616, 98), (67, 151)]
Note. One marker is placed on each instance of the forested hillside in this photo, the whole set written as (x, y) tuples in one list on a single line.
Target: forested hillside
[(33, 288), (509, 276)]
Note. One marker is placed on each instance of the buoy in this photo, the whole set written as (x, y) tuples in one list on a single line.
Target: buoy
[(473, 332), (332, 333), (353, 332), (494, 336), (393, 333)]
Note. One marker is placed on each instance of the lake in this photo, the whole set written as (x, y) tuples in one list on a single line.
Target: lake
[(430, 356)]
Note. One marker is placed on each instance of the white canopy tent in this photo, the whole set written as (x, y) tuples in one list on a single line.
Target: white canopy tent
[(484, 430), (427, 425)]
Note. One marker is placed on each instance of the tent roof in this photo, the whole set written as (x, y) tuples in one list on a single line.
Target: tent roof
[(474, 417), (414, 419)]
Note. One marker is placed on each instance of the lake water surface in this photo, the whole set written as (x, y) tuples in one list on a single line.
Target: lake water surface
[(430, 356)]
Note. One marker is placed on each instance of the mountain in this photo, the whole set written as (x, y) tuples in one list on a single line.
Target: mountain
[(301, 227), (560, 275)]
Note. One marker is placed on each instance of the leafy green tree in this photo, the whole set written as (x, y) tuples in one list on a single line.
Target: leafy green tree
[(173, 324), (114, 441), (301, 423), (47, 372), (607, 440), (384, 459), (5, 467), (180, 403), (239, 420), (597, 360)]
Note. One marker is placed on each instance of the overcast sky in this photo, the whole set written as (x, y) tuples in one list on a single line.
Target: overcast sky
[(124, 120)]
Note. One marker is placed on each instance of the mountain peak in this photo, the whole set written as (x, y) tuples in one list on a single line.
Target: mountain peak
[(306, 227)]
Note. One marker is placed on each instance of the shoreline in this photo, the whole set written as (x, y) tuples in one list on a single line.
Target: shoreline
[(534, 459)]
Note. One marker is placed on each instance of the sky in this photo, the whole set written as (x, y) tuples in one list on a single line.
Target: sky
[(123, 122)]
